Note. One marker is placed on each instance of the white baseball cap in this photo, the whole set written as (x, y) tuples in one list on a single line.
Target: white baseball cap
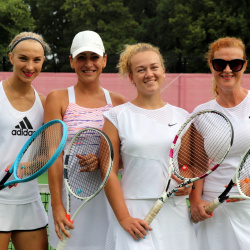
[(87, 41)]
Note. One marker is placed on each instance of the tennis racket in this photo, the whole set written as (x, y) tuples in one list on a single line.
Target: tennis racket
[(38, 154), (198, 149), (241, 178), (96, 146)]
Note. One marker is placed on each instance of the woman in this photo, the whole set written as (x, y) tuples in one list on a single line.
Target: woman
[(80, 106), (22, 215), (140, 133), (229, 226)]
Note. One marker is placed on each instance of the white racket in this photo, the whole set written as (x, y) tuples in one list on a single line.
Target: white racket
[(241, 178), (96, 146), (198, 149)]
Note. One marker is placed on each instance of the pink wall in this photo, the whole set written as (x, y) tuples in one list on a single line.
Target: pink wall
[(183, 90)]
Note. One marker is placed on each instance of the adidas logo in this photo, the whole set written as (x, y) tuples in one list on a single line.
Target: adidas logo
[(23, 128)]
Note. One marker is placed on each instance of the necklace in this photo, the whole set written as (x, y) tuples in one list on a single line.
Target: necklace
[(22, 97)]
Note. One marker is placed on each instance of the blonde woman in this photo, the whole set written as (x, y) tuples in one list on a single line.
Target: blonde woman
[(22, 215), (229, 226), (141, 132)]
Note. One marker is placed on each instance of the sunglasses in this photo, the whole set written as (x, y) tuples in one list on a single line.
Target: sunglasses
[(235, 64)]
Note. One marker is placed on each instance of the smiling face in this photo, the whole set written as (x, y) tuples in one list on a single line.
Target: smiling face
[(27, 59), (88, 66), (228, 80), (147, 72)]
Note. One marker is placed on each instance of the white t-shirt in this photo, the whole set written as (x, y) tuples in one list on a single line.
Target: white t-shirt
[(240, 119), (146, 137), (15, 129)]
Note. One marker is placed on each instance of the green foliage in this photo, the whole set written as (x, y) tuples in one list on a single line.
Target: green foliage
[(110, 19), (187, 27), (56, 28), (182, 29), (15, 17)]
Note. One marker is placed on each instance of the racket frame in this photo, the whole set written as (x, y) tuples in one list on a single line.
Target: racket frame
[(65, 170), (165, 195), (13, 169), (224, 195), (61, 245)]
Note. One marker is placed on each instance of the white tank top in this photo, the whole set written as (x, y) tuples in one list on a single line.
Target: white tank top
[(240, 119), (15, 129)]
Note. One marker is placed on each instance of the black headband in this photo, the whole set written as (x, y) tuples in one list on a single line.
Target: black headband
[(25, 38)]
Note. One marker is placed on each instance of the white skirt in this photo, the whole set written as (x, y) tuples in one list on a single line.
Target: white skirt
[(91, 224), (227, 229), (26, 217), (172, 228)]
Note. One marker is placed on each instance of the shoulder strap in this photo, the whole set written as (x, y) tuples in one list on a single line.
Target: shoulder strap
[(107, 96), (71, 94)]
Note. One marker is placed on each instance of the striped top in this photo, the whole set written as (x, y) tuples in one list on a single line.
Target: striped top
[(77, 117)]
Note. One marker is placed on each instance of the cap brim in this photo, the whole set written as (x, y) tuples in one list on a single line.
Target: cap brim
[(85, 49)]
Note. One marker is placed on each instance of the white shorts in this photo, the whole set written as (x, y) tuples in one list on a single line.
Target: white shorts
[(31, 216)]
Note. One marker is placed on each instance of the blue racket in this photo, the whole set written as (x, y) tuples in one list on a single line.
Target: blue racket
[(38, 154)]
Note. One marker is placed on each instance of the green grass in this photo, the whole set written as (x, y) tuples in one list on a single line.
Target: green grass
[(43, 179)]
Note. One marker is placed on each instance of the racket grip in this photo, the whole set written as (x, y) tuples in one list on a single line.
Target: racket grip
[(209, 208), (153, 211), (62, 243), (212, 205)]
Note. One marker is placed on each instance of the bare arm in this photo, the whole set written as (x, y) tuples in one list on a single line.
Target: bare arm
[(134, 226), (197, 204), (193, 155), (54, 109)]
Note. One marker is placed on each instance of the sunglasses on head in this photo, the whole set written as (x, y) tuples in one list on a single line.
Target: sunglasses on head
[(220, 64)]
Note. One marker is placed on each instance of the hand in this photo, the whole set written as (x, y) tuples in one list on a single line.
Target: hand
[(186, 190), (61, 222), (137, 228), (243, 183), (88, 162), (198, 212)]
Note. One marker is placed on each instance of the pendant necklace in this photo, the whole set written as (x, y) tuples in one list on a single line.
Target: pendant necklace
[(22, 97)]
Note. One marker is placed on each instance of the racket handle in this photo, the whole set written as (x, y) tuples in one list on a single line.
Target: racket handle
[(153, 211), (209, 208), (212, 205), (62, 243)]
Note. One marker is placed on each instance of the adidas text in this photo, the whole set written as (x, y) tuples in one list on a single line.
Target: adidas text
[(24, 132)]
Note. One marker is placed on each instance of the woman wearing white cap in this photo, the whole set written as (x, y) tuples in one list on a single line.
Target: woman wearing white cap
[(76, 106)]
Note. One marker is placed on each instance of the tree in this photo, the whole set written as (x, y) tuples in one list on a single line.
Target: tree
[(15, 17), (56, 28), (110, 19), (183, 29)]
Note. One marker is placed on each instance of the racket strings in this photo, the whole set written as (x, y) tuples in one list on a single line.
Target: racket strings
[(85, 184), (40, 150), (244, 177), (202, 145)]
